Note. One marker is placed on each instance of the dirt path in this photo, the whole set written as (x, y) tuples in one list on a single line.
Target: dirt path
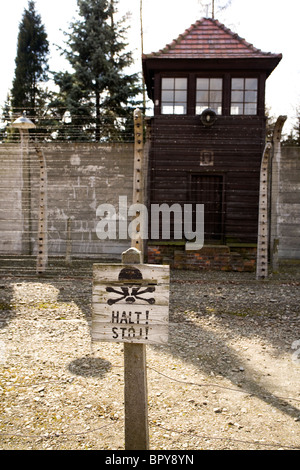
[(228, 379)]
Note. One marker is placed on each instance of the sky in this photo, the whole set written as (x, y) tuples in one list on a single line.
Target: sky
[(270, 25)]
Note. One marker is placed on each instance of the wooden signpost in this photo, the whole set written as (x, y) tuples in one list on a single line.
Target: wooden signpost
[(131, 305)]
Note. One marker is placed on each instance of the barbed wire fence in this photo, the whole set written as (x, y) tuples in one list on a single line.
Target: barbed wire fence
[(61, 178)]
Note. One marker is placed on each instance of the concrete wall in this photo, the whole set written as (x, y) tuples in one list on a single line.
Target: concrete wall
[(80, 177), (288, 218), (11, 204)]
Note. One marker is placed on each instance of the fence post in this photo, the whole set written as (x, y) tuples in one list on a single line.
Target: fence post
[(138, 196), (263, 219), (26, 192), (135, 371), (42, 241)]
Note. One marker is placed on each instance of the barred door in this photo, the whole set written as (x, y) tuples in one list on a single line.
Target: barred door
[(208, 190)]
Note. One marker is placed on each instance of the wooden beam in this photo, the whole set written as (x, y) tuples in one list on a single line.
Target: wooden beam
[(135, 384)]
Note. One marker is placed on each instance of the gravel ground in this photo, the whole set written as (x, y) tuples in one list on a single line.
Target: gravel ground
[(228, 379)]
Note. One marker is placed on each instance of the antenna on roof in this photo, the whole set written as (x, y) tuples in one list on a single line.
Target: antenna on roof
[(207, 6), (212, 6)]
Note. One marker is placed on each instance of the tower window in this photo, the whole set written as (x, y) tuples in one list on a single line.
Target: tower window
[(244, 96), (209, 94), (174, 95)]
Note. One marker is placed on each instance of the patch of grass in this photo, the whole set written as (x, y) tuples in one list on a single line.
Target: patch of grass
[(5, 306), (242, 313), (237, 314), (46, 305)]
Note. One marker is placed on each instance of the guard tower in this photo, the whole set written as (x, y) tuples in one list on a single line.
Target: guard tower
[(209, 128)]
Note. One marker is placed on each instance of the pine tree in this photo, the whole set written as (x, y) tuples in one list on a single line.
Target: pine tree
[(99, 94), (5, 119), (31, 62)]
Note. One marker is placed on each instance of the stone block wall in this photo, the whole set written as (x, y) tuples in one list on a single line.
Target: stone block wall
[(11, 200), (288, 212), (80, 177)]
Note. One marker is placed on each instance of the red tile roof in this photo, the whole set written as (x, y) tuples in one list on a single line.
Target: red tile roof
[(209, 39)]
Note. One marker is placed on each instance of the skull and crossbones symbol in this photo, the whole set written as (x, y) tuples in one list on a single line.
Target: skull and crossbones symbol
[(131, 291)]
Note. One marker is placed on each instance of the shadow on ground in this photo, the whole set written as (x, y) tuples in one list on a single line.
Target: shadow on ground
[(75, 285)]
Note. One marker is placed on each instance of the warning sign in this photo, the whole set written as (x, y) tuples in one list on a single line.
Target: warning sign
[(130, 303)]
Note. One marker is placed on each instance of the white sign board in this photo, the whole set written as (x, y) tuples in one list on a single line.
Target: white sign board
[(130, 303)]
